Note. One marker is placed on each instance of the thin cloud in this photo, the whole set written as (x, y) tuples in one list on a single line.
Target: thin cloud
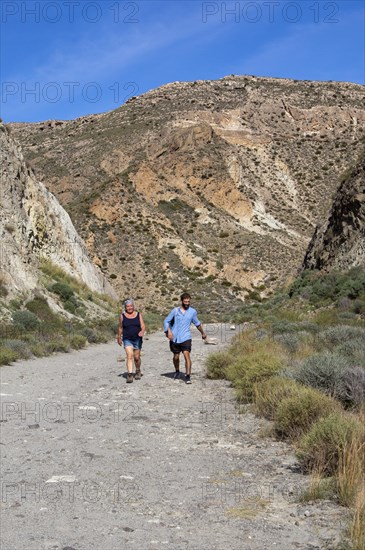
[(92, 59)]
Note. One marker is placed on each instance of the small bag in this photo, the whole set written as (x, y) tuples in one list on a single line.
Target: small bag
[(172, 322)]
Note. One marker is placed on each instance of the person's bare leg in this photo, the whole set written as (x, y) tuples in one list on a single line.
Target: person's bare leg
[(176, 361), (129, 353), (187, 362), (137, 362)]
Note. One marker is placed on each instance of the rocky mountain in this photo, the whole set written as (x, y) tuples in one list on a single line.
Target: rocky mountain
[(339, 243), (211, 186), (34, 226)]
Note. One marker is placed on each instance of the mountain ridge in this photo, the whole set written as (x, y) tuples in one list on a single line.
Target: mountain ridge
[(206, 184)]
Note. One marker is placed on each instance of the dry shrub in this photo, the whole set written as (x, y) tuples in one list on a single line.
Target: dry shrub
[(322, 446), (297, 413), (217, 363), (264, 360), (268, 395)]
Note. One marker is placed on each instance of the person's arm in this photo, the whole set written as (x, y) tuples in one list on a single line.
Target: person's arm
[(201, 330), (199, 325), (143, 327), (120, 331)]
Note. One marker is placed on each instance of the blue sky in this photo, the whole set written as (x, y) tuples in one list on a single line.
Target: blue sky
[(64, 59)]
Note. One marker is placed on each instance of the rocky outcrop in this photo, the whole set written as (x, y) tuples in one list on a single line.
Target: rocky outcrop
[(339, 243), (33, 225)]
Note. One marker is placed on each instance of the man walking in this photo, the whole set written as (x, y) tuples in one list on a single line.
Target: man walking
[(177, 329)]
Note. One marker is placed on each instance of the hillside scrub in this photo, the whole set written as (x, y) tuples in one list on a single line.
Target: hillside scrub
[(37, 330)]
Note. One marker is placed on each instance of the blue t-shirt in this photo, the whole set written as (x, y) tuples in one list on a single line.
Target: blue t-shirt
[(181, 328)]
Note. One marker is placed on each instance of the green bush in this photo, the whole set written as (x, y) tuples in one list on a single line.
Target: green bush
[(353, 350), (39, 306), (282, 326), (102, 337), (25, 320), (341, 333), (346, 316), (90, 335), (354, 387), (289, 341), (295, 414), (38, 348), (59, 344), (19, 347), (7, 355), (358, 306), (10, 331), (71, 304), (217, 363), (326, 317), (63, 290), (320, 448), (78, 341), (324, 371)]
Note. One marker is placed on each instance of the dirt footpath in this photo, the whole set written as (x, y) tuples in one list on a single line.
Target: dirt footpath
[(90, 462)]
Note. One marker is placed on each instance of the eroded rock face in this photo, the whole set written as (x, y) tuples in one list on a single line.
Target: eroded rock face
[(340, 242), (34, 225), (215, 187)]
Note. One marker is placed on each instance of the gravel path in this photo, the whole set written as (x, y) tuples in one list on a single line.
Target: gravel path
[(90, 462)]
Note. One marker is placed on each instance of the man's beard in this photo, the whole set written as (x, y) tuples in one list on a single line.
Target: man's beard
[(186, 306)]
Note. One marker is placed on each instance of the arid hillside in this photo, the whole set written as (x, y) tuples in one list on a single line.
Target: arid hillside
[(211, 186)]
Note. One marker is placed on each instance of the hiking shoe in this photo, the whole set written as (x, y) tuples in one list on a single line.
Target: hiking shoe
[(187, 379), (177, 375), (138, 375), (129, 378)]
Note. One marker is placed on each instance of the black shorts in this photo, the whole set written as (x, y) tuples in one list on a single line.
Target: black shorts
[(183, 346)]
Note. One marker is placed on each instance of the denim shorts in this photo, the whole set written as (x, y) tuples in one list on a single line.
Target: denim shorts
[(135, 344)]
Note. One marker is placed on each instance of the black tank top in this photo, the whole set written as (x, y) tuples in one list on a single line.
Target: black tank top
[(131, 327)]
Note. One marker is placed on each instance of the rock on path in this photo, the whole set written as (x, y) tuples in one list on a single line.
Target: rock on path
[(90, 462)]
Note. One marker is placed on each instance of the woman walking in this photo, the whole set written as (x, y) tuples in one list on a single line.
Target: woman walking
[(131, 331)]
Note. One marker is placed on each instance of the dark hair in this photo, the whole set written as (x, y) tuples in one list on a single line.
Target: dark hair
[(184, 295)]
